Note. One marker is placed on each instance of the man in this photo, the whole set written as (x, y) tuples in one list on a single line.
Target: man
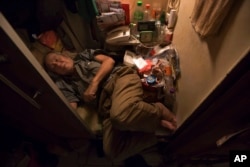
[(129, 123)]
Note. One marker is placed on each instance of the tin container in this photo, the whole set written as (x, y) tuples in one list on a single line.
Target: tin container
[(151, 80)]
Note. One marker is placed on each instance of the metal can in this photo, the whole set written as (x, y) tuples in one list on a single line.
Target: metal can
[(151, 79)]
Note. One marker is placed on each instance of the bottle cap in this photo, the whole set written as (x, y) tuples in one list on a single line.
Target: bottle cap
[(151, 79), (139, 3)]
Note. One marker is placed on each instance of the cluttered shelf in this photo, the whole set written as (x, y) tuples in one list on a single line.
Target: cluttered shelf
[(146, 37), (159, 70)]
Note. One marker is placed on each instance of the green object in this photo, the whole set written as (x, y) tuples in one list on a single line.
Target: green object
[(163, 17), (146, 36), (87, 9), (138, 13), (139, 3)]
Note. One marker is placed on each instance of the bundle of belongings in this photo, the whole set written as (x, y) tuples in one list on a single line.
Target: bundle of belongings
[(112, 13), (158, 69)]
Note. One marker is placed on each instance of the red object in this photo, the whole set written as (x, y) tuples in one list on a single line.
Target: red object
[(125, 7), (48, 38), (169, 36), (152, 52), (146, 68)]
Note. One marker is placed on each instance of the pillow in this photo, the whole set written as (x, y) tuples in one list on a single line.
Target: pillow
[(39, 51), (51, 40)]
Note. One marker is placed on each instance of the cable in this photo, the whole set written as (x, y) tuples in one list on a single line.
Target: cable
[(173, 4), (143, 45)]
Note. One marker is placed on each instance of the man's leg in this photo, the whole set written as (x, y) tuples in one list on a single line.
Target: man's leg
[(120, 145), (133, 122), (129, 111)]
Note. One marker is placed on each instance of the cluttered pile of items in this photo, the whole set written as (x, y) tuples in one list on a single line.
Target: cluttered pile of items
[(153, 25), (158, 69), (148, 23), (112, 14), (149, 29)]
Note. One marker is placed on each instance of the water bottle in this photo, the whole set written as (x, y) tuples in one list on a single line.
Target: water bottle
[(158, 33), (146, 15), (172, 19), (138, 13)]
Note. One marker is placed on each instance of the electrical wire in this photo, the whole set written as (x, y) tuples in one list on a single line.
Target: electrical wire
[(173, 4)]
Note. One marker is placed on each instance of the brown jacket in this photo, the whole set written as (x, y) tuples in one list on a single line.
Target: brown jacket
[(122, 101)]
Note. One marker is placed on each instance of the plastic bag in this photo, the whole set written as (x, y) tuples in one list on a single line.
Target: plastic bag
[(51, 40)]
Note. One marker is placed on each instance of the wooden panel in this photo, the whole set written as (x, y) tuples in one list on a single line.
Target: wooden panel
[(20, 67), (16, 112), (224, 112)]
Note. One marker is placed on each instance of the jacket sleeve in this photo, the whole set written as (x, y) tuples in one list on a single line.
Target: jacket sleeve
[(67, 90)]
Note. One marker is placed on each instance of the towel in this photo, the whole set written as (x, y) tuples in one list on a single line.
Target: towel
[(208, 15)]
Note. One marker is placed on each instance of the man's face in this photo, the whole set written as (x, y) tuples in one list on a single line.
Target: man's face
[(59, 64)]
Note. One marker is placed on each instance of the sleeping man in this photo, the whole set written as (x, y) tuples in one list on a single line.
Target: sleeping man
[(129, 123)]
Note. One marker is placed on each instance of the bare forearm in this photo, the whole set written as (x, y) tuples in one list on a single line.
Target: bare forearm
[(106, 67)]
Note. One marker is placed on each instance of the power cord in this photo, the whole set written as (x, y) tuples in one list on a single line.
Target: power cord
[(173, 4)]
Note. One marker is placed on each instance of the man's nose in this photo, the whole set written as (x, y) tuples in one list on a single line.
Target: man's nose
[(55, 63)]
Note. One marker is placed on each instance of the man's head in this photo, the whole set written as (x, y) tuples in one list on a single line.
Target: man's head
[(59, 64)]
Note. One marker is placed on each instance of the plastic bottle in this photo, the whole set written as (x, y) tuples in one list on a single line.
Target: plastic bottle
[(158, 31), (146, 15), (163, 17), (169, 81), (169, 90), (138, 13), (172, 18), (174, 61), (167, 35)]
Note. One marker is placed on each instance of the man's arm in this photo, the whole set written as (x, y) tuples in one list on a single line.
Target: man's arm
[(107, 64)]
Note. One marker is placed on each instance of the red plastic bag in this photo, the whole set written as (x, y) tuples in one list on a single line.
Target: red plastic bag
[(51, 40)]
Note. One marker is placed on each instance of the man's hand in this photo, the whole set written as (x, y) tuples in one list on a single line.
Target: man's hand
[(107, 64), (168, 118), (90, 93)]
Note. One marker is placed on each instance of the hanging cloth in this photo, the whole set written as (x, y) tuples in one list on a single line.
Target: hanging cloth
[(87, 9), (71, 5), (208, 15)]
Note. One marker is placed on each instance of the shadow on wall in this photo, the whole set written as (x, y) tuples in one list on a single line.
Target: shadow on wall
[(214, 42)]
